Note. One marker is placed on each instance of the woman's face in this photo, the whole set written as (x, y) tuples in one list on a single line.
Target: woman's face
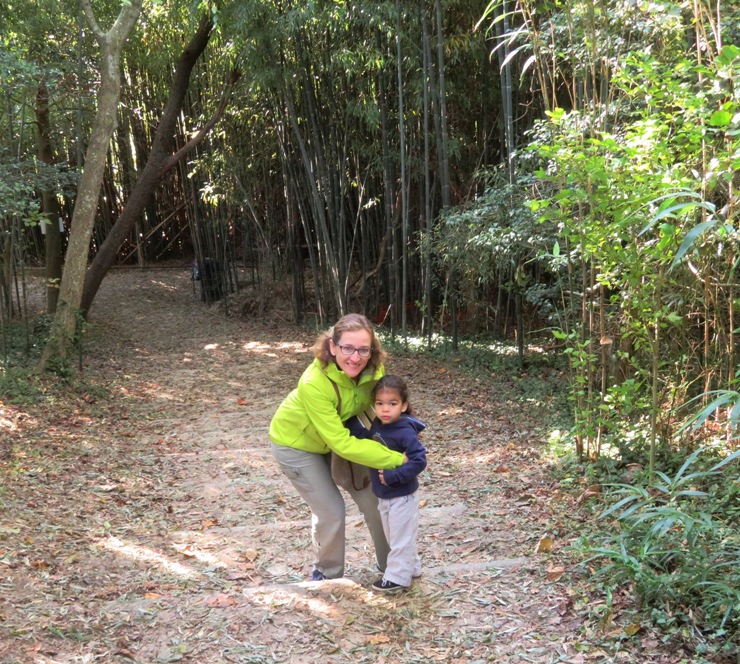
[(352, 365)]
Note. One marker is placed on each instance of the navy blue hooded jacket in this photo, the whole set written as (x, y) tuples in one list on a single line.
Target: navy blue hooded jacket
[(400, 436)]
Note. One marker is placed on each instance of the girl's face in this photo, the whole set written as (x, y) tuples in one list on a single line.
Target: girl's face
[(357, 341), (389, 406)]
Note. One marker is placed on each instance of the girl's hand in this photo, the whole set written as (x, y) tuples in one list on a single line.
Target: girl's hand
[(382, 479), (405, 459)]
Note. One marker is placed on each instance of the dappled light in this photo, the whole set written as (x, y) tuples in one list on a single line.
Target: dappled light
[(165, 286), (533, 203), (6, 423), (321, 598), (140, 553), (273, 349), (152, 489)]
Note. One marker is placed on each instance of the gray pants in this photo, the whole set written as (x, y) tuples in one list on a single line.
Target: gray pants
[(310, 474), (401, 523)]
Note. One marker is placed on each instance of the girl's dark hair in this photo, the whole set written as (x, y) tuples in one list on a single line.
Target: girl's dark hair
[(349, 323), (394, 384)]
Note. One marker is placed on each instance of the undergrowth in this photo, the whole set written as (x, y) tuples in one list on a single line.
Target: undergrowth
[(674, 542)]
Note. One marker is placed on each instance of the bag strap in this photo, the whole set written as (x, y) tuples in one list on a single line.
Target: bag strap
[(339, 396)]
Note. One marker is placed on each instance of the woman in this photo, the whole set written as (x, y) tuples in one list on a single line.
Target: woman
[(308, 425)]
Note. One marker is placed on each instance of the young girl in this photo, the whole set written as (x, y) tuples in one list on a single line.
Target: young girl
[(396, 488)]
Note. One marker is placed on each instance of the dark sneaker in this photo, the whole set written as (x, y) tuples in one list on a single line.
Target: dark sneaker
[(318, 575), (383, 586)]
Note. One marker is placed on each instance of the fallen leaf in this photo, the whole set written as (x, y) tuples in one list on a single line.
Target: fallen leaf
[(237, 576), (152, 595), (554, 573), (544, 545), (632, 629), (242, 401), (251, 554), (377, 638), (209, 523), (220, 601)]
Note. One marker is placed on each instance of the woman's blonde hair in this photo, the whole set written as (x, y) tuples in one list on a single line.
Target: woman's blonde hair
[(349, 323)]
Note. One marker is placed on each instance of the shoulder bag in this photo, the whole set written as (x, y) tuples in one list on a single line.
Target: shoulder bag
[(345, 473)]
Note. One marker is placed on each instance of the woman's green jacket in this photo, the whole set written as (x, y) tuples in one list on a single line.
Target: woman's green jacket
[(308, 419)]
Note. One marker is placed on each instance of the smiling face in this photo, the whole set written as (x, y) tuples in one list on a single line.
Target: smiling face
[(389, 405), (353, 365)]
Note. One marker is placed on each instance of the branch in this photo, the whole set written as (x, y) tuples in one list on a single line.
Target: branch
[(125, 21), (90, 16), (376, 269), (193, 142)]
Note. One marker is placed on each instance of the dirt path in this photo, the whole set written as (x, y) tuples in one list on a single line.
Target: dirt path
[(143, 518)]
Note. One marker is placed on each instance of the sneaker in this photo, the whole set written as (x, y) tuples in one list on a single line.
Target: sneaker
[(317, 575), (383, 586)]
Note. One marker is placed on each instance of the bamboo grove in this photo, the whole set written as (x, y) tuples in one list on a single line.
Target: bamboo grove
[(529, 170)]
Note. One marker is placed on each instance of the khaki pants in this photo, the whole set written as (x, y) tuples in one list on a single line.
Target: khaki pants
[(310, 474)]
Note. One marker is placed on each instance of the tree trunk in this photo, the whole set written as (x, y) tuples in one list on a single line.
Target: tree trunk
[(389, 195), (427, 191), (64, 327), (399, 261), (159, 162), (49, 203)]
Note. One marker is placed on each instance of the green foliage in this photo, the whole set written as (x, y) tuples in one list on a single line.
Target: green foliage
[(678, 547), (21, 387)]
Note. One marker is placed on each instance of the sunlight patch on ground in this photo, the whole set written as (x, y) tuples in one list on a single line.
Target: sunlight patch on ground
[(5, 423), (190, 551), (285, 598), (140, 553), (486, 458), (327, 605), (451, 411), (269, 350), (170, 287)]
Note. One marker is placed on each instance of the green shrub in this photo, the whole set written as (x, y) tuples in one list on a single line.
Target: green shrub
[(678, 547)]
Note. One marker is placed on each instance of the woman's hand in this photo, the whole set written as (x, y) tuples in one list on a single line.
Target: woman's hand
[(405, 459), (382, 479)]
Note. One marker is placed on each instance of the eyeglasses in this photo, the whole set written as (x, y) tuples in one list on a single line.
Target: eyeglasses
[(351, 350)]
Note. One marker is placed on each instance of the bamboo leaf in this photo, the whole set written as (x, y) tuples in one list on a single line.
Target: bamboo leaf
[(619, 504), (692, 457), (725, 461), (530, 61), (690, 238), (512, 54)]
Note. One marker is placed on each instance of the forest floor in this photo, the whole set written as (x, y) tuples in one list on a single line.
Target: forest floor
[(143, 519)]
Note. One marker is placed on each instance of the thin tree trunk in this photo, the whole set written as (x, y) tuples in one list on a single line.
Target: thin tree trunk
[(49, 203), (444, 145), (400, 261), (427, 193), (388, 174)]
